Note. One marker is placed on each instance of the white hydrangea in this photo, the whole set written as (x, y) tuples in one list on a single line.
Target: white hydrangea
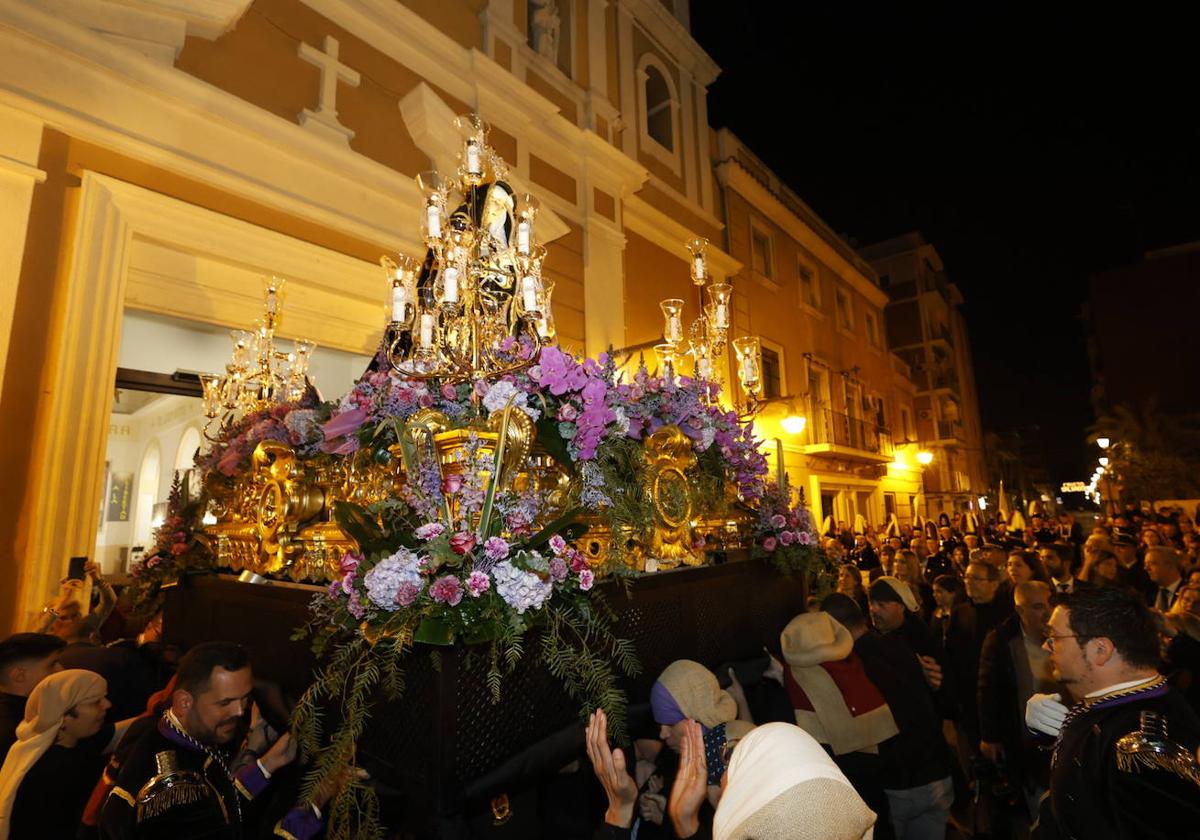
[(384, 580), (622, 420), (501, 392), (520, 589)]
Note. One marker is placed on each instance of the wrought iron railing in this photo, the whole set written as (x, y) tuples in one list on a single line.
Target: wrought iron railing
[(843, 430)]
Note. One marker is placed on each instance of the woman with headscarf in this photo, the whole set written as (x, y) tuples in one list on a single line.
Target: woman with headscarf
[(59, 754), (782, 785)]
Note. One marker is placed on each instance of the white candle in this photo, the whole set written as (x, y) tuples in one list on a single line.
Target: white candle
[(272, 302), (433, 221), (674, 329), (529, 293), (473, 166), (704, 367), (523, 237), (699, 265), (748, 371), (722, 316), (399, 302), (450, 285), (427, 329)]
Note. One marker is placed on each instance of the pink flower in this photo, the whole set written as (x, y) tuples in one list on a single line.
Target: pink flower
[(769, 544), (406, 593), (558, 570), (586, 579), (448, 392), (481, 387), (496, 548), (787, 537), (803, 538), (462, 542), (425, 400), (557, 544), (429, 531), (478, 583), (578, 561), (349, 562), (452, 483), (778, 520), (346, 423), (448, 589), (151, 562), (567, 413), (179, 548)]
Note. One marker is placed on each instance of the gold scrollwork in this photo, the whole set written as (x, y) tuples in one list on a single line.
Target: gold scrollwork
[(669, 455)]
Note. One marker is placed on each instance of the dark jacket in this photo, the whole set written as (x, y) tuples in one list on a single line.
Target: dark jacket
[(130, 680), (969, 626)]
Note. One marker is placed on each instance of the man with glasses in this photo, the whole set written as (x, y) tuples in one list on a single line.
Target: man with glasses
[(1124, 761)]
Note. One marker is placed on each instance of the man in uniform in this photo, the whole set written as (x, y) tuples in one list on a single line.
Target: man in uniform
[(176, 781), (1124, 763)]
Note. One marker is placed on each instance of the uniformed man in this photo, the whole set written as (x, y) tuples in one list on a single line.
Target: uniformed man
[(176, 781), (1124, 763)]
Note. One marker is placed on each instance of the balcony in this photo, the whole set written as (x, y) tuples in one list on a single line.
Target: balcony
[(950, 430), (841, 435)]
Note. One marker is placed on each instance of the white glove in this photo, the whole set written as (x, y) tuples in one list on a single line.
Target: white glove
[(1045, 713)]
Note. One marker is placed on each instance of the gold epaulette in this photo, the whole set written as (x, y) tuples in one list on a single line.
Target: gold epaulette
[(1149, 748), (173, 787)]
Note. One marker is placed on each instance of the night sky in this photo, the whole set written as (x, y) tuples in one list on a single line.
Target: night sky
[(1030, 145)]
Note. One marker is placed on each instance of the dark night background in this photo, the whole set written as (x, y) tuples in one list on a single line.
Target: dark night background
[(1032, 145)]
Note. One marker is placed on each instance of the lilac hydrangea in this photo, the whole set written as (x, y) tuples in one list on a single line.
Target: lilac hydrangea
[(499, 394), (384, 580), (520, 589)]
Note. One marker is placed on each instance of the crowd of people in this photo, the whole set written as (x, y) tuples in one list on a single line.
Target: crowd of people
[(960, 681)]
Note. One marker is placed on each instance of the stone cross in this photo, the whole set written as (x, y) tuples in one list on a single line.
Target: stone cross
[(324, 120)]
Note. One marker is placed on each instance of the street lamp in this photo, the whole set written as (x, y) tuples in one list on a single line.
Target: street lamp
[(1103, 442), (924, 458), (794, 424)]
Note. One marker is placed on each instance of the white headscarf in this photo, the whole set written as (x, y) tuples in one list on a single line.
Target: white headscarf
[(45, 709), (767, 764)]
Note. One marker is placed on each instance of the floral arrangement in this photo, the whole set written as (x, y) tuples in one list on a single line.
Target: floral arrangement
[(297, 424), (180, 546), (786, 536)]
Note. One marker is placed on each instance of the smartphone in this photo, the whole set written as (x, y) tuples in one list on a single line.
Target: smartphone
[(75, 569)]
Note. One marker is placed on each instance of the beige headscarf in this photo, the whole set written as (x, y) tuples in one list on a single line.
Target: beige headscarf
[(698, 694), (783, 786), (45, 709)]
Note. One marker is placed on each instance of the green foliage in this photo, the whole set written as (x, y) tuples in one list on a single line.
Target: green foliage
[(550, 439), (356, 521)]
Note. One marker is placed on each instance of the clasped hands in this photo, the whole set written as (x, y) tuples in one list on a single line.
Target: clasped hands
[(687, 793)]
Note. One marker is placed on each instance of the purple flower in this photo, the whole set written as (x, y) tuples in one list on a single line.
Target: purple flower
[(769, 544), (429, 531), (346, 423), (448, 589), (478, 583), (452, 483), (496, 548), (355, 607), (778, 520), (558, 570), (586, 579), (557, 544), (406, 593), (349, 562)]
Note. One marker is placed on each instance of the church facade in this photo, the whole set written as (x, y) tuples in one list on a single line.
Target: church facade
[(157, 159)]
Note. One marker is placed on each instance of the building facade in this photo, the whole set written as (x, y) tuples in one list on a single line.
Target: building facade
[(819, 311), (926, 328)]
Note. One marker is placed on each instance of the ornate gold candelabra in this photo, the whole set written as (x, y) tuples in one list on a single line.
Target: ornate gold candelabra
[(481, 282), (259, 374)]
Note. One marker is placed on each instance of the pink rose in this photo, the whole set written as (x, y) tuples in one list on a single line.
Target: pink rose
[(462, 542), (452, 483), (769, 544), (447, 589), (449, 393), (478, 583), (787, 537), (406, 593), (578, 561), (803, 538), (586, 579), (349, 562), (778, 520), (567, 413)]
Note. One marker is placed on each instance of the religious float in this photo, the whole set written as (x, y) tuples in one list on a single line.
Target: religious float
[(487, 537)]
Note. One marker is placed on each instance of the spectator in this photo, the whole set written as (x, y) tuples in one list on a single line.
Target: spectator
[(49, 772), (1059, 560), (1163, 567), (129, 675), (916, 764), (1013, 666), (947, 594), (908, 569), (1130, 572), (849, 583), (25, 660), (1023, 566), (1100, 569)]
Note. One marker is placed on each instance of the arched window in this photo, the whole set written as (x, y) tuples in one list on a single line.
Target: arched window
[(147, 495), (185, 455), (658, 108)]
